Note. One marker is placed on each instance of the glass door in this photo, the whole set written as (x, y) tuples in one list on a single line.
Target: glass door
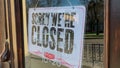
[(93, 48)]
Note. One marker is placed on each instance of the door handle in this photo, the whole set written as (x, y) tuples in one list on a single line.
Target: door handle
[(6, 54)]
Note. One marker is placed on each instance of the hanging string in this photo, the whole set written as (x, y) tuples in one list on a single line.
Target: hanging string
[(36, 4), (39, 0), (70, 3)]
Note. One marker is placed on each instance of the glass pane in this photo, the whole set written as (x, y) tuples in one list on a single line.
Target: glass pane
[(93, 37)]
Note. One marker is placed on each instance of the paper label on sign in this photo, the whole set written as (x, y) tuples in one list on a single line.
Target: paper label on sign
[(56, 34)]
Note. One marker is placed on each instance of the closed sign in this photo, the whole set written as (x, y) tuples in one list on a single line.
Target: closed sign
[(56, 34)]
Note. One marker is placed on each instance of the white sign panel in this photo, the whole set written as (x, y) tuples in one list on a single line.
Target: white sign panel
[(56, 34)]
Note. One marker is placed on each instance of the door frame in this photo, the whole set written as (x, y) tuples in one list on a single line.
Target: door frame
[(10, 30), (21, 29), (106, 34), (19, 32)]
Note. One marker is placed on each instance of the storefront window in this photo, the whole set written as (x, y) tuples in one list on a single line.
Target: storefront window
[(93, 35)]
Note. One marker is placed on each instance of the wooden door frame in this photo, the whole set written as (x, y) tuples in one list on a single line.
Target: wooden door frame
[(19, 32), (114, 34), (9, 10), (106, 34), (21, 29)]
